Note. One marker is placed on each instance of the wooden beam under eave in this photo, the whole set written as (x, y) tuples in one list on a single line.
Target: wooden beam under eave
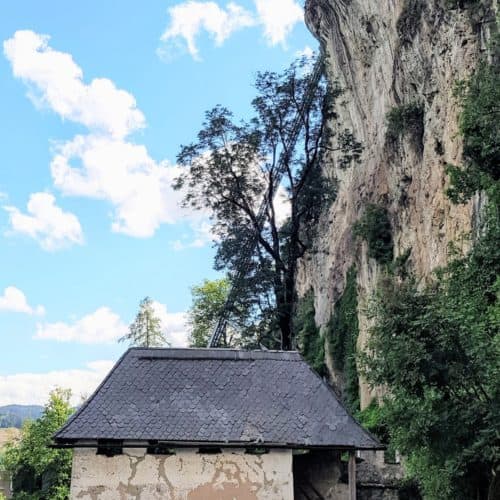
[(352, 475)]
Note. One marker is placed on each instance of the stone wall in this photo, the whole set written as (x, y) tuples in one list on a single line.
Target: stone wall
[(187, 475)]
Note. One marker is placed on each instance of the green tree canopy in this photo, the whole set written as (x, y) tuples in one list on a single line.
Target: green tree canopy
[(40, 472), (146, 329), (207, 303)]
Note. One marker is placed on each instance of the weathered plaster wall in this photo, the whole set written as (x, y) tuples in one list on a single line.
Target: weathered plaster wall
[(187, 475), (381, 65)]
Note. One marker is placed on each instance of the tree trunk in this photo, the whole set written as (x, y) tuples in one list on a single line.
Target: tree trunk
[(285, 307), (494, 489), (286, 331)]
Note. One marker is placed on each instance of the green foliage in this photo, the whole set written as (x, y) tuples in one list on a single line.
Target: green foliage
[(400, 265), (310, 342), (208, 300), (343, 331), (407, 119), (375, 228), (40, 472), (373, 419), (146, 329), (409, 20), (479, 119), (437, 349)]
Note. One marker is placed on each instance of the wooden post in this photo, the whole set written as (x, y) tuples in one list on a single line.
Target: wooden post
[(352, 475)]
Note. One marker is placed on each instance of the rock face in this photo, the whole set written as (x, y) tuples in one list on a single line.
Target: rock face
[(387, 54)]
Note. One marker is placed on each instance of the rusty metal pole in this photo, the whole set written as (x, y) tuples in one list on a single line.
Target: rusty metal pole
[(352, 475)]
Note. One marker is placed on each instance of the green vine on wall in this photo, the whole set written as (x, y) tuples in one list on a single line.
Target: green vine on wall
[(310, 342), (479, 119), (343, 331)]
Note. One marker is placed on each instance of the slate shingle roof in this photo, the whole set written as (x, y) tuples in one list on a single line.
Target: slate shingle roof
[(215, 396)]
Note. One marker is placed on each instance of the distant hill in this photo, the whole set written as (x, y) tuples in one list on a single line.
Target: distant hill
[(15, 415)]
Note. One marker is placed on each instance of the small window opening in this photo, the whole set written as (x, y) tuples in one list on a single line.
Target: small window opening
[(209, 450), (109, 448), (254, 450), (160, 449)]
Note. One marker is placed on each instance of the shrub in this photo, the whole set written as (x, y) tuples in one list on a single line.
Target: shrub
[(406, 119), (476, 9), (375, 228), (409, 20)]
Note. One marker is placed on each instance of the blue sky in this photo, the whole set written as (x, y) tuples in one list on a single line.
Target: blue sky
[(96, 99)]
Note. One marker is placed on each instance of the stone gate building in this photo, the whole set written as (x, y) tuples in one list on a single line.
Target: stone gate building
[(202, 424)]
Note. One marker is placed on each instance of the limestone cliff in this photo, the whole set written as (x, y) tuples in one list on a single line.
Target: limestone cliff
[(385, 54)]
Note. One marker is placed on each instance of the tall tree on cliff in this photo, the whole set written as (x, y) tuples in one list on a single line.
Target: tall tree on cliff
[(145, 331), (233, 166)]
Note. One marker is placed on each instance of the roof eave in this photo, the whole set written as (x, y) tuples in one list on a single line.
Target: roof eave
[(86, 443)]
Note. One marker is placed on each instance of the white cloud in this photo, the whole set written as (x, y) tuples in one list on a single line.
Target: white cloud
[(282, 206), (202, 232), (14, 300), (188, 19), (124, 174), (104, 164), (306, 52), (278, 18), (103, 326), (56, 81), (174, 325), (45, 222), (34, 388)]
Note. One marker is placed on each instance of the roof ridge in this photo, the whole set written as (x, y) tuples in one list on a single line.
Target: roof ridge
[(211, 349), (214, 354)]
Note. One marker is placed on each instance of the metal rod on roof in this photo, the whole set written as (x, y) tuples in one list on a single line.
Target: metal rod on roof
[(250, 245)]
